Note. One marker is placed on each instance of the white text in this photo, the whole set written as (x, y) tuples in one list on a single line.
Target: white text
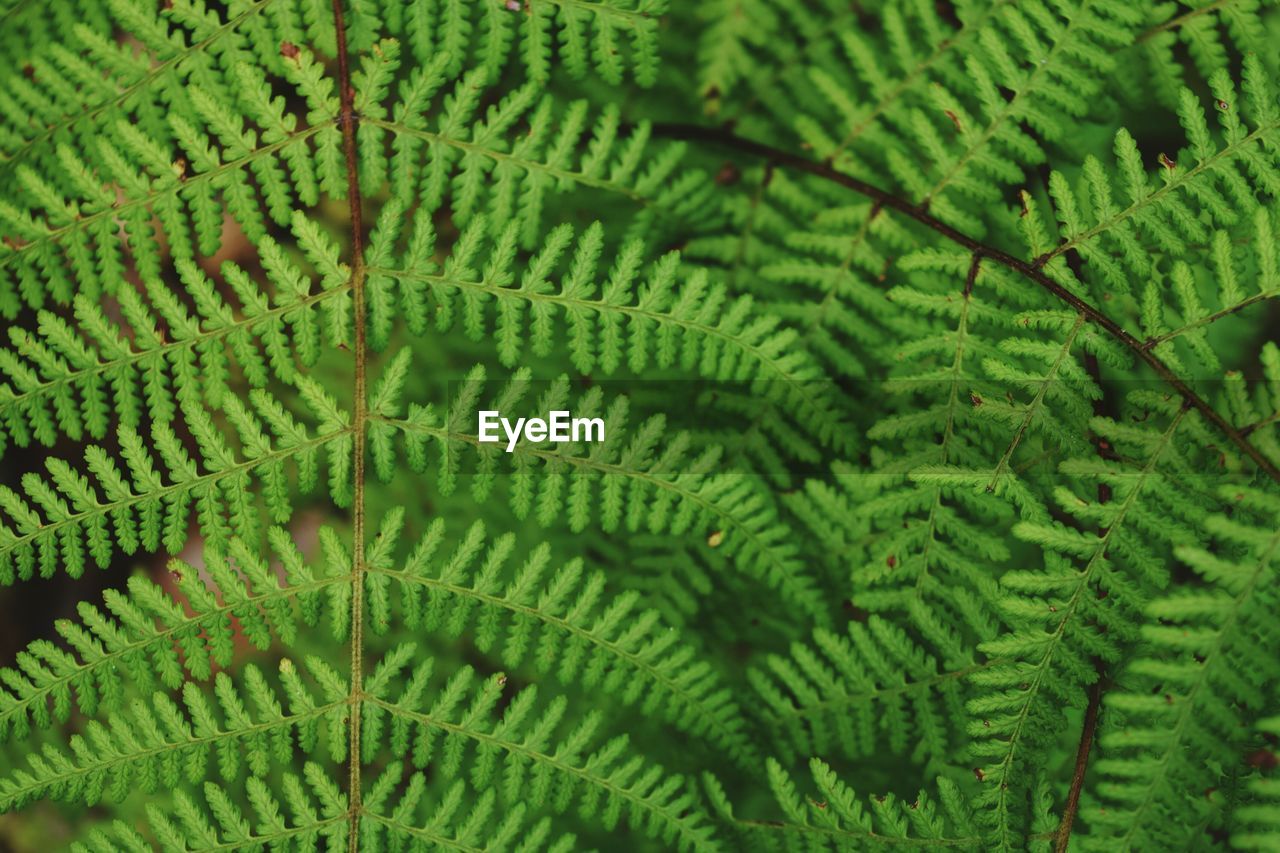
[(559, 427)]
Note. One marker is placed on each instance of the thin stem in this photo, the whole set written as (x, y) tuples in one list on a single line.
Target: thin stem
[(972, 276), (1209, 319), (1175, 23), (1256, 425), (347, 120), (1028, 270), (1090, 726), (1087, 732)]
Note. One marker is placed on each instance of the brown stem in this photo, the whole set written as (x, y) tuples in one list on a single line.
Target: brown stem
[(972, 276), (1063, 835), (1174, 23), (1256, 425), (347, 120), (1028, 270)]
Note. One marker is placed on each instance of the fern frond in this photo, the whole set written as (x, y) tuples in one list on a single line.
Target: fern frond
[(245, 729), (521, 755), (797, 237), (853, 692), (1260, 417), (1082, 609), (621, 321), (936, 378), (483, 167), (53, 95), (60, 215), (836, 820), (1207, 657), (1039, 64), (629, 485), (607, 36), (1224, 180), (1259, 827), (146, 497), (930, 532), (563, 621), (1210, 33), (445, 825), (317, 811), (151, 638), (81, 379), (1176, 309)]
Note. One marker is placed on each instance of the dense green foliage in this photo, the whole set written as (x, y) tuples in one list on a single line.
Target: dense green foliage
[(939, 503)]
